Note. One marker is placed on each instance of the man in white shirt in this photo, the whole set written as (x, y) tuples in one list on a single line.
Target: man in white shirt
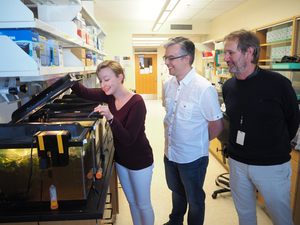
[(193, 118)]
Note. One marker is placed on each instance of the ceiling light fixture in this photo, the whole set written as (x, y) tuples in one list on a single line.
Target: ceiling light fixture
[(169, 6), (150, 39), (147, 42), (152, 45), (156, 41)]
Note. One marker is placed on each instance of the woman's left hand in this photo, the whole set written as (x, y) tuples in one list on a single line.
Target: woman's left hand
[(103, 110)]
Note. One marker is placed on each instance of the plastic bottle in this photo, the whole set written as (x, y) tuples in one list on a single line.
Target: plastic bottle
[(219, 86), (53, 197), (90, 174), (99, 173)]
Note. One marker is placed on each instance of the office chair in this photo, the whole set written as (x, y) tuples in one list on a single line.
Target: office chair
[(223, 179)]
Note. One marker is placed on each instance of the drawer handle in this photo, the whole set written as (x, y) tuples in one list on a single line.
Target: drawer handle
[(110, 195), (111, 214)]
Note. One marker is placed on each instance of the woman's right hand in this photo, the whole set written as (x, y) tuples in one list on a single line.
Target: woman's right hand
[(104, 111)]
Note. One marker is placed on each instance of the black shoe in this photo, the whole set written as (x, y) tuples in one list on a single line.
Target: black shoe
[(168, 223)]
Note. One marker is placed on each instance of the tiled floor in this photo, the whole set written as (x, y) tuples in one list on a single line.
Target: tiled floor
[(219, 211)]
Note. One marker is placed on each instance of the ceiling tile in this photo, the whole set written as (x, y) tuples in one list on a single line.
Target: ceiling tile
[(114, 15), (240, 1), (222, 5), (183, 14), (126, 10), (121, 5), (192, 4), (186, 11), (208, 14)]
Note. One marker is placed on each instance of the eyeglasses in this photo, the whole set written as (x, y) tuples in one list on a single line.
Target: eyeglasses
[(170, 59)]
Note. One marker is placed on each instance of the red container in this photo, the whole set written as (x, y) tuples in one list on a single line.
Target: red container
[(208, 54)]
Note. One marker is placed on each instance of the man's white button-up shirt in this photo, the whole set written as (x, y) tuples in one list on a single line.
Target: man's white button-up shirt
[(190, 105)]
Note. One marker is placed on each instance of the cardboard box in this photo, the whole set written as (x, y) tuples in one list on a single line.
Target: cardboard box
[(54, 53), (26, 39), (88, 62), (44, 51), (78, 52)]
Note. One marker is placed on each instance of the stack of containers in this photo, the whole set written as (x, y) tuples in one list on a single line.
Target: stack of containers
[(88, 58), (45, 52), (80, 23), (26, 39), (94, 60), (54, 52), (279, 52), (50, 52), (93, 36), (99, 59), (100, 44), (281, 34), (86, 38)]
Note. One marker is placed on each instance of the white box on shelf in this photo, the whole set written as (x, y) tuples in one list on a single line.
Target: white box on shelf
[(68, 27), (288, 50), (275, 35), (26, 39), (26, 65), (284, 30), (289, 32), (271, 36), (78, 16), (278, 51), (280, 34), (273, 53), (283, 50)]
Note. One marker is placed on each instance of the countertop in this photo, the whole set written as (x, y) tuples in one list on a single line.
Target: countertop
[(94, 208)]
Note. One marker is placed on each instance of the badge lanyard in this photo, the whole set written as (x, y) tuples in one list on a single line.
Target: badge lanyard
[(241, 101)]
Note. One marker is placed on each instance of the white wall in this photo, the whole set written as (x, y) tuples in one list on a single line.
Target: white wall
[(119, 42), (252, 14)]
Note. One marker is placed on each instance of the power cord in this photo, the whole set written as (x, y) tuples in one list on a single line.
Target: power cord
[(37, 85), (29, 180)]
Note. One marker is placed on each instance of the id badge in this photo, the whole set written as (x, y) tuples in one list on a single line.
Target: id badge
[(240, 138)]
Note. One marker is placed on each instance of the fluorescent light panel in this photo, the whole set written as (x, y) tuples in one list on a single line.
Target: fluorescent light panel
[(166, 12), (156, 28), (145, 42), (171, 5), (164, 17), (150, 39)]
